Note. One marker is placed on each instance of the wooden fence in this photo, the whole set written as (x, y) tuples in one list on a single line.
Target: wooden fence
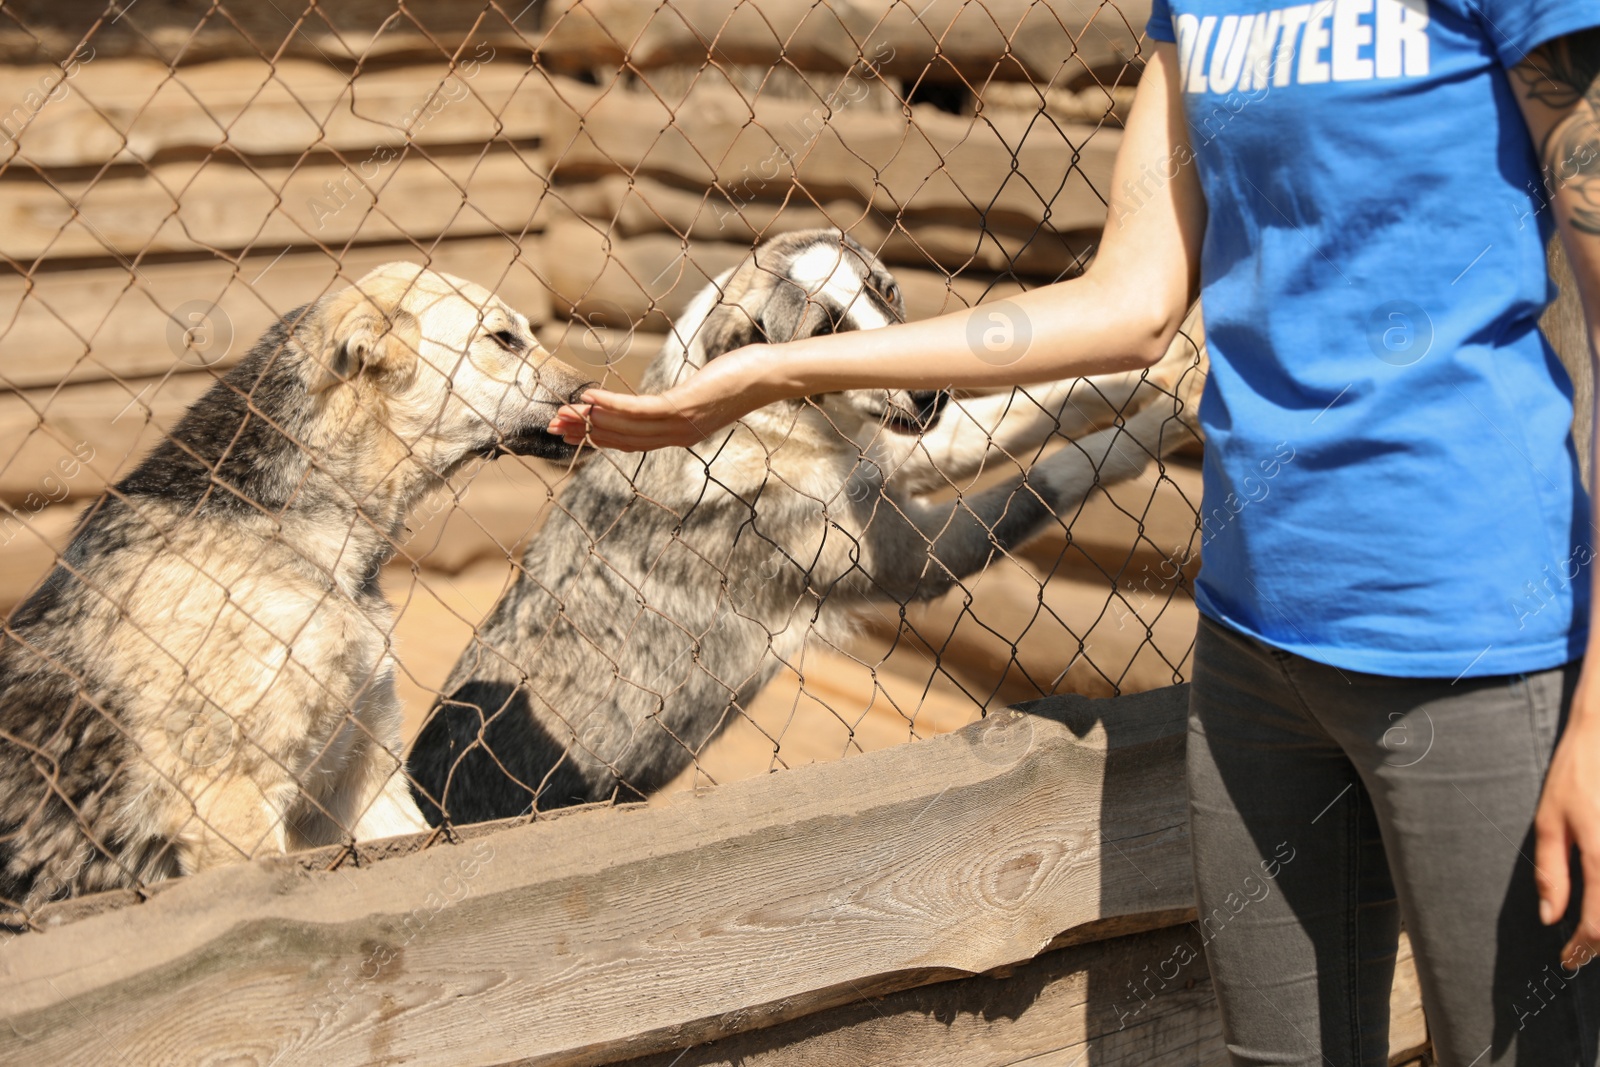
[(1017, 891)]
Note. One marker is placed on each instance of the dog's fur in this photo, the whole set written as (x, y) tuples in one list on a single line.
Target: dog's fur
[(206, 674), (664, 590)]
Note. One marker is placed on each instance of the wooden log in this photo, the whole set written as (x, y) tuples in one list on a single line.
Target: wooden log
[(211, 207), (945, 40), (1071, 1006), (1011, 40), (107, 323), (1095, 104), (30, 540), (632, 207), (135, 111), (598, 936), (647, 281), (184, 32), (1007, 169), (640, 283), (106, 425)]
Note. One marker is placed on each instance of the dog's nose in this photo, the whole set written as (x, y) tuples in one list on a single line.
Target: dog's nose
[(929, 404), (577, 394)]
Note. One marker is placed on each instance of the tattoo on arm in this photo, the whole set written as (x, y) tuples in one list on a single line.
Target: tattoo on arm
[(1564, 75)]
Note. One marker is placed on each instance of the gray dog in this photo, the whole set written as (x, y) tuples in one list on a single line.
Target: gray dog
[(665, 589)]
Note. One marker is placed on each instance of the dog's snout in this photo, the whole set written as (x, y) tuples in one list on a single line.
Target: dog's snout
[(558, 381), (930, 403)]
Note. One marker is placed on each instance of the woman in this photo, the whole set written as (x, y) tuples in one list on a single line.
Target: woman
[(1387, 678)]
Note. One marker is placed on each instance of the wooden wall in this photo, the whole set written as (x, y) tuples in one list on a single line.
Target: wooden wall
[(190, 173)]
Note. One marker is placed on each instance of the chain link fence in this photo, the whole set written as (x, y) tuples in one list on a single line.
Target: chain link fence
[(229, 629)]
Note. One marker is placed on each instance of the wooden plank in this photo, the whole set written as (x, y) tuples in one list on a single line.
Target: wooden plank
[(108, 425), (752, 904), (1012, 40), (632, 207), (134, 111), (929, 165), (194, 31), (1069, 1007), (212, 206), (648, 280), (109, 323), (1072, 1006), (30, 539)]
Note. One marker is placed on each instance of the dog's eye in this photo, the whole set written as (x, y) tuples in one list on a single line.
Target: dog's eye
[(507, 340), (891, 292)]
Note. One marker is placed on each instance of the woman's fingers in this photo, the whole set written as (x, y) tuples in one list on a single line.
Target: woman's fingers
[(577, 418), (636, 423), (1568, 821), (648, 425), (1552, 852), (644, 404)]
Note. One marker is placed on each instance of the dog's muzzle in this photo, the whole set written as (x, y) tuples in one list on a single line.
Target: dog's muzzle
[(535, 440), (926, 407), (531, 442)]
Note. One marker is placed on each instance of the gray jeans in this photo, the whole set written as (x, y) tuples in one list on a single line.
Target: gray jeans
[(1326, 806)]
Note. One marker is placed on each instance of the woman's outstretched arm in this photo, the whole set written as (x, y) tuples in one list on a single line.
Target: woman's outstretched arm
[(1120, 314)]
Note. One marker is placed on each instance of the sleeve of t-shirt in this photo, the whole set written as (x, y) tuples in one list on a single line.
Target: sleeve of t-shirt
[(1517, 27), (1159, 27)]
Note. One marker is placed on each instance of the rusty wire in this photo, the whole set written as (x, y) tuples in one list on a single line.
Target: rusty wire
[(182, 177)]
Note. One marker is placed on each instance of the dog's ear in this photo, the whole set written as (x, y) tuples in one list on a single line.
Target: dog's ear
[(362, 336), (727, 327), (790, 313), (785, 313)]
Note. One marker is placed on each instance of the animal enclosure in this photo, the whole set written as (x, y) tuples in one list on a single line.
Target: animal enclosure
[(189, 176), (179, 177)]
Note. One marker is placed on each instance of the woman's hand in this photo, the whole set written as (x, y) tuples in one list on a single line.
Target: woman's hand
[(718, 394), (1569, 815)]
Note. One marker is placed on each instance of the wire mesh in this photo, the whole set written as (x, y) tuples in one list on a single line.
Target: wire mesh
[(230, 629)]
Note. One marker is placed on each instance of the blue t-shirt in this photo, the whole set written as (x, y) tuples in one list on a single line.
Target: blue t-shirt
[(1390, 484)]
